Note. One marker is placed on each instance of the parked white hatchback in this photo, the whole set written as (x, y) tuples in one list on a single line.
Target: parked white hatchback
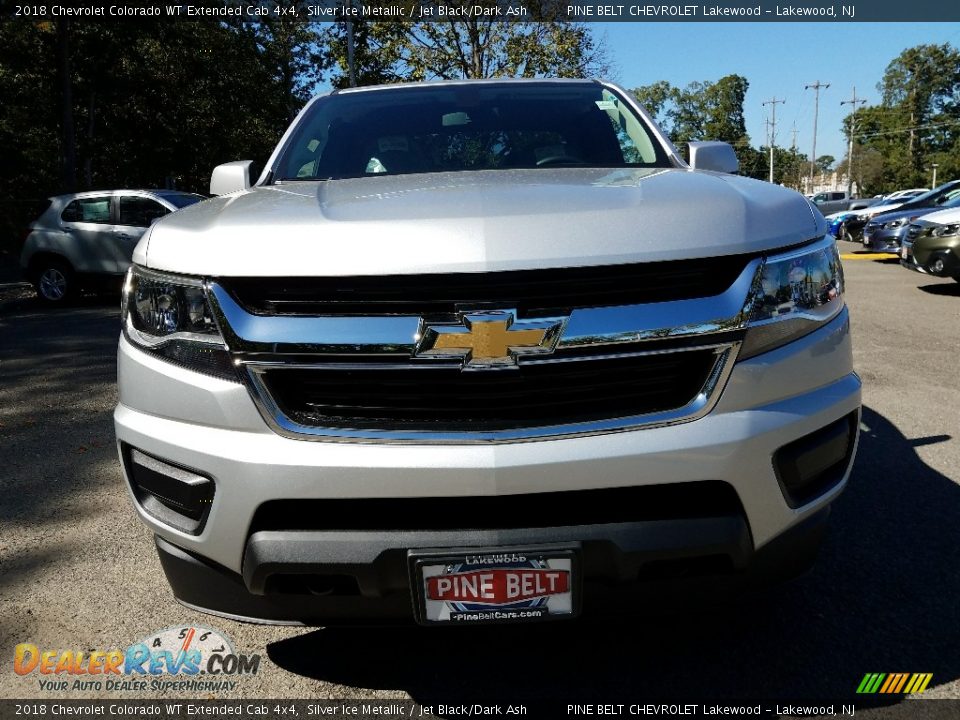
[(87, 239)]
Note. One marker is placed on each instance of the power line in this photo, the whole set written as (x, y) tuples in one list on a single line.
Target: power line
[(897, 131)]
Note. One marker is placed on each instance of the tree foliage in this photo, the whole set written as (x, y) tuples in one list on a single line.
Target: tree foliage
[(150, 104), (702, 111), (916, 124), (474, 48)]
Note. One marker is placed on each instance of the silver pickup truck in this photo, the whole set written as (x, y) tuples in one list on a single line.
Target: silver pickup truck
[(479, 352), (834, 201)]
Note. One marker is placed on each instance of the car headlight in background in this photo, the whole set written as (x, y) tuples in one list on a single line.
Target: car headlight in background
[(946, 230), (897, 223), (795, 293), (169, 316)]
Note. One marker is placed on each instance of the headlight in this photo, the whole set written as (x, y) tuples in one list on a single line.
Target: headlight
[(794, 294), (897, 223), (946, 230), (170, 317)]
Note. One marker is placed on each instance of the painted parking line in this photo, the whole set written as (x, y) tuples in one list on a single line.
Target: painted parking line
[(868, 256)]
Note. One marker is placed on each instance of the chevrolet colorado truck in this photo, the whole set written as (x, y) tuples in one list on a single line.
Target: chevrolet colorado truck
[(483, 351)]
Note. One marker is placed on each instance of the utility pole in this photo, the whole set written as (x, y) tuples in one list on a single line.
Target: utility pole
[(853, 124), (816, 112), (351, 63), (933, 182), (773, 128), (793, 150)]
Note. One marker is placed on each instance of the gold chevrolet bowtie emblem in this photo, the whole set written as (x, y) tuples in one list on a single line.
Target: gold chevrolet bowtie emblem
[(489, 339)]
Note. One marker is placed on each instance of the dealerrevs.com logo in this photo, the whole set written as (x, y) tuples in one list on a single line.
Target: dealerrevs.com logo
[(202, 659)]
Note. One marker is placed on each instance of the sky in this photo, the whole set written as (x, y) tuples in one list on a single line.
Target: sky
[(778, 59)]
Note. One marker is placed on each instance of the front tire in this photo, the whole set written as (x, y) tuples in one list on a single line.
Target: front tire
[(54, 281)]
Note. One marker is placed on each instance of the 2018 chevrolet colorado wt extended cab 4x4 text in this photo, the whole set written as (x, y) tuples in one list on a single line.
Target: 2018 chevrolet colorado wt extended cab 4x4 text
[(482, 351)]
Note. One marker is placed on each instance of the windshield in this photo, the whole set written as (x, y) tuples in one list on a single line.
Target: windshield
[(467, 127), (930, 197)]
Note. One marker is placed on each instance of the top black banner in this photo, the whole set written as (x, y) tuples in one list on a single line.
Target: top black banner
[(330, 11)]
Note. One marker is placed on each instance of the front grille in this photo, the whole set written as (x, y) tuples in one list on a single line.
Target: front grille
[(444, 398), (704, 499), (531, 292)]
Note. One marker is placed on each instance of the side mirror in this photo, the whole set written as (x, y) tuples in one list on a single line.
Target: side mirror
[(715, 156), (230, 177)]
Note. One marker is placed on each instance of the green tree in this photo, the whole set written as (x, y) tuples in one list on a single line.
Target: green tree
[(867, 170), (916, 124), (655, 99), (825, 163), (713, 111), (705, 111), (392, 51), (105, 105), (923, 84), (788, 166), (724, 102), (291, 49), (376, 47)]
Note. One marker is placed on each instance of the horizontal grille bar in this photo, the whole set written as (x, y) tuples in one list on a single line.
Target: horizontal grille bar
[(530, 292), (446, 398), (703, 499)]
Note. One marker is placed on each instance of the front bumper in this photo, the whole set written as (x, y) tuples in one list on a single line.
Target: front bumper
[(769, 402), (646, 566), (884, 240), (922, 258)]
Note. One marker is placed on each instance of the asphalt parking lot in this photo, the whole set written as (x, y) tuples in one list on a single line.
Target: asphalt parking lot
[(78, 571)]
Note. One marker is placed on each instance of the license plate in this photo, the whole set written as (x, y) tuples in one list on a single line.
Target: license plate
[(480, 586), (904, 252)]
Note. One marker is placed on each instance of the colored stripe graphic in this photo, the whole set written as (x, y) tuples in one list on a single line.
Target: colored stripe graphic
[(871, 683), (894, 683), (900, 682)]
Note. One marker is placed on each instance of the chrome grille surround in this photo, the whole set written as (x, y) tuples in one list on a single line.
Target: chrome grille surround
[(260, 344)]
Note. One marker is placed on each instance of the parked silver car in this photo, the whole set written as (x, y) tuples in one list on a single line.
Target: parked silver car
[(85, 239)]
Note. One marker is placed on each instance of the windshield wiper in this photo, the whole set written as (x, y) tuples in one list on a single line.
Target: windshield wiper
[(310, 178)]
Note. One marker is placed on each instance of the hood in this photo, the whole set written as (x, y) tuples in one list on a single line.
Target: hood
[(943, 217), (899, 214), (842, 215), (478, 221), (874, 210)]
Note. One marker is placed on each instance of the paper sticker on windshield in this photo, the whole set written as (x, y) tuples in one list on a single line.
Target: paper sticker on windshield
[(606, 104)]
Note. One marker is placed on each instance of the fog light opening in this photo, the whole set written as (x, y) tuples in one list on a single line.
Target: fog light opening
[(174, 495), (812, 465)]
